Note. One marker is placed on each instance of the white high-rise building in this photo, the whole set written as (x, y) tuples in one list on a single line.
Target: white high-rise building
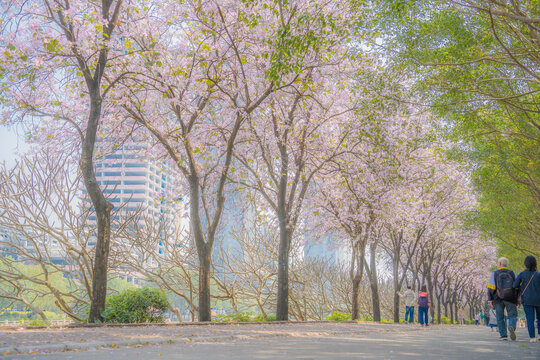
[(137, 184)]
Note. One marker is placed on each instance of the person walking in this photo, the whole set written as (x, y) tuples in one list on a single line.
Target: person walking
[(423, 306), (486, 313), (461, 314), (476, 319), (492, 319), (410, 300), (502, 295), (528, 285)]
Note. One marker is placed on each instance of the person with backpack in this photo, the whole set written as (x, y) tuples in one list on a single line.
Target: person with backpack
[(423, 306), (528, 285), (502, 295)]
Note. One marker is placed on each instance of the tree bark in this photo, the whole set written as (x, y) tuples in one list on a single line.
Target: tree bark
[(439, 310), (395, 271), (204, 250), (373, 281), (356, 274), (356, 297), (204, 285), (282, 311), (102, 208)]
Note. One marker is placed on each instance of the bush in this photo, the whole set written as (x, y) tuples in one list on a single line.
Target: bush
[(239, 317), (260, 318), (444, 320), (338, 316), (242, 317), (136, 306)]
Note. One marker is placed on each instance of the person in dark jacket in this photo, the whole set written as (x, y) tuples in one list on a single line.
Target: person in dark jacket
[(423, 306), (509, 303), (528, 285)]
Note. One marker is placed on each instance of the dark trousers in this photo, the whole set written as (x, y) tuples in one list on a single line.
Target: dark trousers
[(409, 313), (529, 314), (511, 309), (423, 315)]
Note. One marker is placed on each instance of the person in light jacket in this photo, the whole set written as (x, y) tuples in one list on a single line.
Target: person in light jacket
[(410, 300)]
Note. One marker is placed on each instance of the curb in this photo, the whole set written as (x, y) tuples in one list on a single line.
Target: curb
[(45, 349), (181, 324)]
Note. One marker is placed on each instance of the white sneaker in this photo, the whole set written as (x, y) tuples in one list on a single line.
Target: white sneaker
[(533, 340)]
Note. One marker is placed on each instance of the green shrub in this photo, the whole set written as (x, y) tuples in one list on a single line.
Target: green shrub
[(242, 317), (444, 320), (136, 306), (37, 322), (338, 316), (262, 318)]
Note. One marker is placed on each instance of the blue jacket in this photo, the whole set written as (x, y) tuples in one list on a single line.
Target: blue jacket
[(531, 296)]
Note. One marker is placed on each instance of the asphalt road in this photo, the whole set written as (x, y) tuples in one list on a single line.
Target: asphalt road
[(468, 342)]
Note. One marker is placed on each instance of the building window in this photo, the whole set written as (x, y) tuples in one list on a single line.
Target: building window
[(135, 173), (134, 182), (135, 165)]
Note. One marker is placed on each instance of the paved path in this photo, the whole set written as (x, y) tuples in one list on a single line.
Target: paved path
[(364, 342)]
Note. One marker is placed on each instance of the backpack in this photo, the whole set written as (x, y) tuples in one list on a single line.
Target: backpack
[(505, 290), (423, 301)]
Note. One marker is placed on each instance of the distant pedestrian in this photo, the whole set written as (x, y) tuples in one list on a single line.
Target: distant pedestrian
[(410, 300), (528, 285), (502, 295), (423, 306), (476, 319), (461, 314), (492, 319)]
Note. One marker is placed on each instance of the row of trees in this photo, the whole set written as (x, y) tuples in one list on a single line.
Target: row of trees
[(275, 101), (476, 64)]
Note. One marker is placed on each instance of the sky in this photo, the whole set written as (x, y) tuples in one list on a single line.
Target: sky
[(11, 144)]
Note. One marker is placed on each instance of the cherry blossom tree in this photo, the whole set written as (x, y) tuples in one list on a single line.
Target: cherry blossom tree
[(195, 94), (57, 77), (294, 138)]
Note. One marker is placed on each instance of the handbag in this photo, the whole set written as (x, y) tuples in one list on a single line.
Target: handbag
[(523, 292)]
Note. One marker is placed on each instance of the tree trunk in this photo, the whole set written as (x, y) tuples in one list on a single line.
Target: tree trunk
[(282, 311), (395, 271), (356, 274), (374, 284), (102, 208), (205, 262), (356, 297), (439, 310), (431, 298), (204, 248), (451, 313)]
